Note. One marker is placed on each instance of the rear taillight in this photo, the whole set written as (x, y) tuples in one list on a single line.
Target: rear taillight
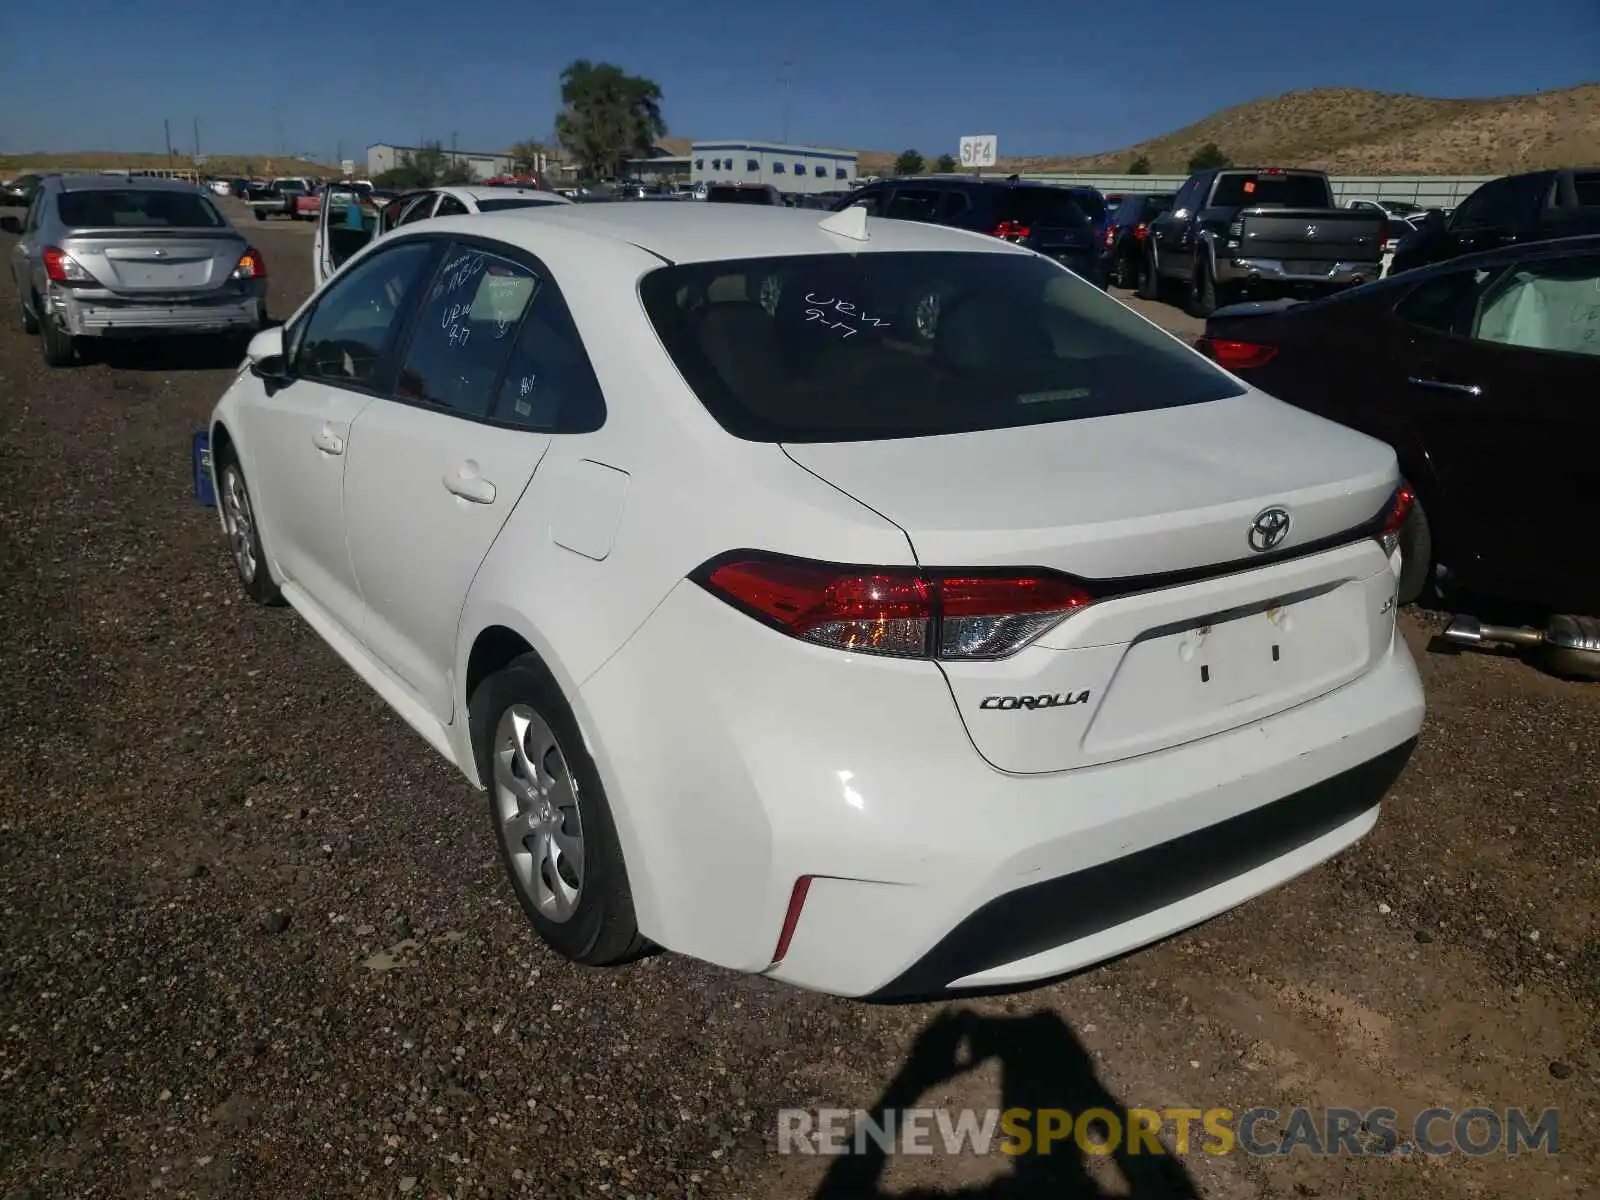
[(1111, 236), (944, 614), (251, 265), (1236, 356), (1399, 510), (61, 267), (1141, 231), (1011, 231)]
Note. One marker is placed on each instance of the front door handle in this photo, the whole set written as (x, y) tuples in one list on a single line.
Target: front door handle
[(328, 441), (1439, 385), (469, 485)]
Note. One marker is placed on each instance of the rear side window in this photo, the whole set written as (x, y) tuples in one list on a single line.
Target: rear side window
[(913, 204), (1237, 189), (1092, 204), (853, 347), (1047, 207), (465, 332), (1586, 188), (133, 208)]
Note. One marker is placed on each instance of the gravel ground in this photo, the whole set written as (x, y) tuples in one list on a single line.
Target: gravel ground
[(257, 943)]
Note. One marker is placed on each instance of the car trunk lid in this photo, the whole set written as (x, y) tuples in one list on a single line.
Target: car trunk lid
[(1194, 627), (157, 260)]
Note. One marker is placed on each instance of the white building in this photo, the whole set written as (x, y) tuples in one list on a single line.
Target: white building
[(484, 164), (802, 169)]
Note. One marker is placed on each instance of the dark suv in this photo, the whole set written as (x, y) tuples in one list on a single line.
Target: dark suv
[(1125, 234), (1040, 216)]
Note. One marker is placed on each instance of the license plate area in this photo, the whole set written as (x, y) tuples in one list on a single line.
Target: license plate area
[(1181, 682)]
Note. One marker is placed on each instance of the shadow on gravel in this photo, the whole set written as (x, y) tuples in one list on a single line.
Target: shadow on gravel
[(168, 354), (1043, 1066)]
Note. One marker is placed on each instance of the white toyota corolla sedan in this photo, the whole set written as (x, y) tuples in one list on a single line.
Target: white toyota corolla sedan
[(870, 604)]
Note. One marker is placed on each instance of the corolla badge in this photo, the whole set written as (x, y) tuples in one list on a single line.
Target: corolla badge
[(1269, 529)]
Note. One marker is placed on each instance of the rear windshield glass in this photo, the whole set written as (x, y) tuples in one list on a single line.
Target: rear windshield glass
[(1236, 189), (131, 207), (1043, 206), (512, 202), (853, 347), (1092, 204), (734, 195)]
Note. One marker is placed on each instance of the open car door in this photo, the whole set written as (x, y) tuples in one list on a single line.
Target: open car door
[(347, 220)]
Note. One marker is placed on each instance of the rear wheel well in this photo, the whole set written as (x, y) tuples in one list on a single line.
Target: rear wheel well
[(493, 649)]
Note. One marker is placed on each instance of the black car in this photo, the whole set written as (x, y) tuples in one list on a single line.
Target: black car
[(1511, 210), (1125, 234), (1040, 216), (19, 192), (1483, 373)]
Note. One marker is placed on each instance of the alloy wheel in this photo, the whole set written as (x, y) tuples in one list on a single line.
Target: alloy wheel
[(536, 814)]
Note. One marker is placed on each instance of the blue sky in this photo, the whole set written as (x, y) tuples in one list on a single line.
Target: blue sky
[(1047, 78)]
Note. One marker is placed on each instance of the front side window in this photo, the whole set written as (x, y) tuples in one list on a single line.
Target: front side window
[(1446, 303), (853, 347), (419, 209), (449, 206), (464, 331), (355, 320), (134, 208), (1549, 305)]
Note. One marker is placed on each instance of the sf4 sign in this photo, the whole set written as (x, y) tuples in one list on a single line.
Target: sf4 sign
[(978, 151)]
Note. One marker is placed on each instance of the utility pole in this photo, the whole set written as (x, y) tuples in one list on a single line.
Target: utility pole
[(166, 125), (197, 139), (452, 148), (787, 80)]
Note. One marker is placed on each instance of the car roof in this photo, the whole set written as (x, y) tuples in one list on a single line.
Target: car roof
[(684, 233), (490, 193), (89, 183)]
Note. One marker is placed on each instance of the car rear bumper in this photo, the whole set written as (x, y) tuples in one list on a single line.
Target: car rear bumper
[(101, 314), (739, 761), (1272, 270)]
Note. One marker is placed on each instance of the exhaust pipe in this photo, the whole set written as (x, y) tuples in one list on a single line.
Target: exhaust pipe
[(1567, 645)]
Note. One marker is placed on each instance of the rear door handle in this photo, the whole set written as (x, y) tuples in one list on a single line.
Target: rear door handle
[(470, 486), (1439, 385), (328, 441)]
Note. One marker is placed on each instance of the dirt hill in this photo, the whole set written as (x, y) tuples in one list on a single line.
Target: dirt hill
[(223, 165), (1347, 131)]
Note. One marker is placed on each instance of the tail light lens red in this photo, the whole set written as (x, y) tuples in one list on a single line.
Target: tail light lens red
[(1236, 356), (1399, 510), (1140, 232), (904, 613), (1011, 231), (1111, 235), (61, 267), (251, 265)]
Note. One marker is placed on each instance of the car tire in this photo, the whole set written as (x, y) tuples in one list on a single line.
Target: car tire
[(30, 323), (244, 533), (1149, 287), (542, 784), (1416, 557), (1202, 291), (259, 215), (56, 344)]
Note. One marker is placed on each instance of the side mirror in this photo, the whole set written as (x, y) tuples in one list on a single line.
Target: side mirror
[(11, 224), (265, 355)]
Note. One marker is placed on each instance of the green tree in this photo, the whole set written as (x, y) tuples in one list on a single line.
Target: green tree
[(607, 116), (422, 168), (525, 157), (946, 164), (1207, 157), (456, 173), (1140, 165), (908, 163)]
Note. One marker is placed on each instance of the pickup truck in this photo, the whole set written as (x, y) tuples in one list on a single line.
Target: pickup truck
[(1261, 233), (280, 198), (1533, 207)]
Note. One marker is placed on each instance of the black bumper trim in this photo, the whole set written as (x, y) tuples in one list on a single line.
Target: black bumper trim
[(1056, 911)]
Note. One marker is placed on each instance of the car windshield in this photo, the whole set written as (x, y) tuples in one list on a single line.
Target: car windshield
[(135, 207), (854, 347), (501, 205), (1240, 188)]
